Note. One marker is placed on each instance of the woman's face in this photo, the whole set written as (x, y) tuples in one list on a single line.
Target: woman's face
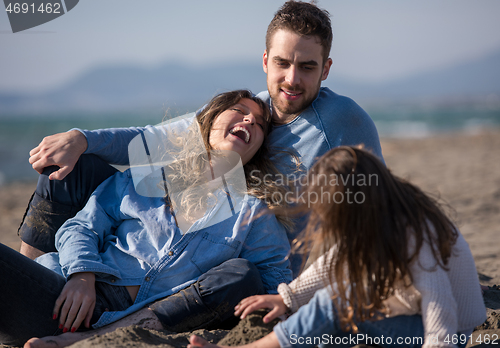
[(240, 128)]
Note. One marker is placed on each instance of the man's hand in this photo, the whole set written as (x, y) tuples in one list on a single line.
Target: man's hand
[(273, 302), (62, 150), (76, 302)]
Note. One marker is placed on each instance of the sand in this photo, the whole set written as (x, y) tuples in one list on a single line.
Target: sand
[(462, 169)]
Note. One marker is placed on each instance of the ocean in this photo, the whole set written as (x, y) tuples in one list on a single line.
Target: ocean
[(18, 135)]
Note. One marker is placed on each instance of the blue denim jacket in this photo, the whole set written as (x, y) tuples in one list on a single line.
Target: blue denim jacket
[(127, 239)]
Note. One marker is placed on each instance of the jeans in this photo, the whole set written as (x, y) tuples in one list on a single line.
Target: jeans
[(208, 303), (28, 292), (55, 201), (315, 324)]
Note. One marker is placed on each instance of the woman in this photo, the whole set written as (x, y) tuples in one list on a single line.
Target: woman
[(394, 272), (124, 251)]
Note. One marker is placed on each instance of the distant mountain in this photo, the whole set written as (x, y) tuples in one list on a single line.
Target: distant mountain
[(114, 88), (174, 85), (477, 78)]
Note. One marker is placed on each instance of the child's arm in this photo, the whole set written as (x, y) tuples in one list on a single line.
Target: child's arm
[(273, 302), (303, 288), (291, 296)]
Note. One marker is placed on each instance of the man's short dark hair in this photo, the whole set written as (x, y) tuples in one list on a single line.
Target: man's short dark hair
[(304, 19)]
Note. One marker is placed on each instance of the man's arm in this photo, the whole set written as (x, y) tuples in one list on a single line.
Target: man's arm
[(64, 149)]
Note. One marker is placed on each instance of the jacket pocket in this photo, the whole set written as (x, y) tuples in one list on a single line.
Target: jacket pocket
[(212, 251)]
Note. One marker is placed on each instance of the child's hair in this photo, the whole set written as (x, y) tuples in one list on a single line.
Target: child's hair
[(258, 184), (357, 205)]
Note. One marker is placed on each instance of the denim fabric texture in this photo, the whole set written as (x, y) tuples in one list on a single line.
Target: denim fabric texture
[(127, 239), (56, 201), (209, 303)]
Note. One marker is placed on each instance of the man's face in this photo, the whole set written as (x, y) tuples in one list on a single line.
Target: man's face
[(295, 68)]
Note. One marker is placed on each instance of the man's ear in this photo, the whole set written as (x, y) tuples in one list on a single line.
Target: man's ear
[(326, 69), (264, 61)]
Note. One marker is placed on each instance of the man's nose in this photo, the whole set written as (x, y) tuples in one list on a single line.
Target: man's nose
[(292, 76)]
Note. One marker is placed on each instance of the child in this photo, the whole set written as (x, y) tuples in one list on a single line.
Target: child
[(394, 270)]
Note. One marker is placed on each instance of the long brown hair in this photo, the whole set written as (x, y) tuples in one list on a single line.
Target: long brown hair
[(371, 217)]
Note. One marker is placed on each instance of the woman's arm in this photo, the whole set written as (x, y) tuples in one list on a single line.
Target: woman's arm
[(81, 238), (76, 302), (79, 242)]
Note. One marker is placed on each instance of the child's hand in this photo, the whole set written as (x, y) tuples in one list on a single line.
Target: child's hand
[(273, 302), (76, 302)]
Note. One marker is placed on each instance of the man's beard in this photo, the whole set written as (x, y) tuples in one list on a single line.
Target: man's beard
[(290, 108)]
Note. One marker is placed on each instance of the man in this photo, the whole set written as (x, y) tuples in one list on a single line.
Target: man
[(308, 119)]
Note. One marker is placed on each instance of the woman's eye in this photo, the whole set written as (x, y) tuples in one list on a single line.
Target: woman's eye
[(261, 126), (238, 110)]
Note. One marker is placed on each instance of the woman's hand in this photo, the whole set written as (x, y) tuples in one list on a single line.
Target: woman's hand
[(273, 302), (76, 302)]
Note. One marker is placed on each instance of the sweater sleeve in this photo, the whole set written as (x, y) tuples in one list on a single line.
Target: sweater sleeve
[(303, 288), (439, 308), (111, 144)]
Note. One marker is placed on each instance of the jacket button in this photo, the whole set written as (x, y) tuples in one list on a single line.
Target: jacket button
[(148, 279), (112, 280), (170, 253)]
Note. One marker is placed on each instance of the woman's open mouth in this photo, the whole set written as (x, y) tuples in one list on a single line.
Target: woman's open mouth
[(241, 132)]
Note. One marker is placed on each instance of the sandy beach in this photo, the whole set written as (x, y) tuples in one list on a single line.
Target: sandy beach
[(462, 169)]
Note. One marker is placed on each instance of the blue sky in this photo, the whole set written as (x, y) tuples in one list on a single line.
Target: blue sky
[(375, 40)]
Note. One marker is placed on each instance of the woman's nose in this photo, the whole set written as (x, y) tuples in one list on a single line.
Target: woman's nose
[(249, 119)]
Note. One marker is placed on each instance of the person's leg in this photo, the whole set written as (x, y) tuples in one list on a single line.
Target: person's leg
[(209, 303), (400, 331), (221, 289), (28, 292), (55, 201), (144, 318)]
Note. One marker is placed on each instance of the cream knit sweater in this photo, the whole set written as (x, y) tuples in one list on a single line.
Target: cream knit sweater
[(449, 301)]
